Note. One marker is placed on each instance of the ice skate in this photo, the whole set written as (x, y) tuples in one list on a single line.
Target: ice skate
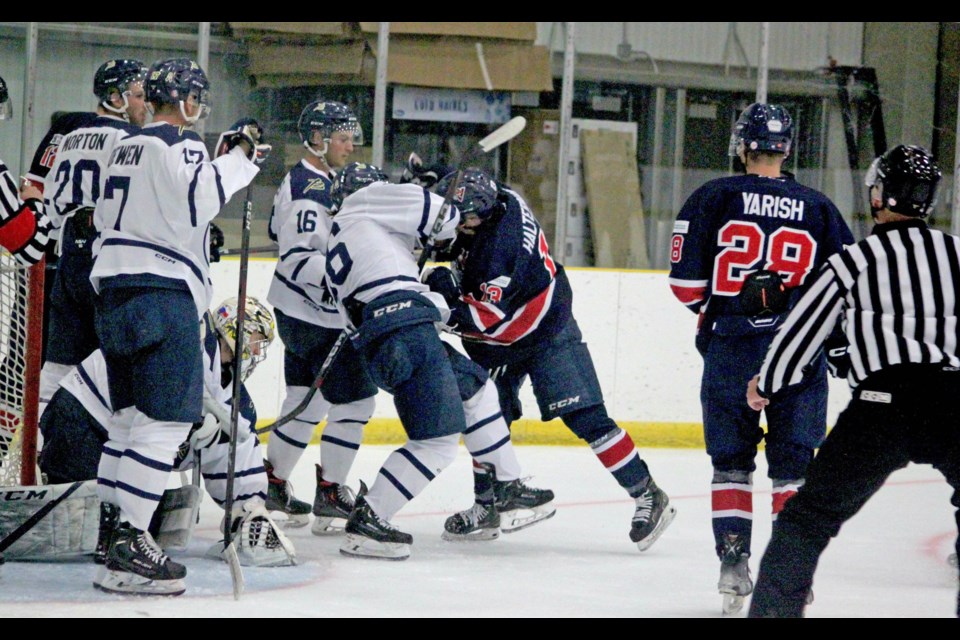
[(135, 565), (280, 498), (331, 506), (258, 539), (520, 506), (653, 515), (735, 582), (479, 522), (370, 536), (109, 520)]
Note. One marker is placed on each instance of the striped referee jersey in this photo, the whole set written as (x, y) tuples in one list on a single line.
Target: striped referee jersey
[(24, 228), (896, 296)]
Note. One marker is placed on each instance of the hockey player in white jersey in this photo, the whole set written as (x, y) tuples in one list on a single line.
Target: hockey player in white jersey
[(79, 421), (73, 186), (308, 324), (151, 272), (438, 393)]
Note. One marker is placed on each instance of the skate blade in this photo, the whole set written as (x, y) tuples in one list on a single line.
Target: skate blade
[(481, 535), (286, 520), (327, 526), (362, 547), (665, 519), (732, 604), (511, 521), (130, 584)]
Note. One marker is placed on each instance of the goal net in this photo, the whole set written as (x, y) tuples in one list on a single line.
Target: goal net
[(21, 347)]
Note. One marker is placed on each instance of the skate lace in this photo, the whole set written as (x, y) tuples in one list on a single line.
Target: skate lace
[(346, 495), (644, 507), (475, 514), (151, 549), (261, 530), (383, 524)]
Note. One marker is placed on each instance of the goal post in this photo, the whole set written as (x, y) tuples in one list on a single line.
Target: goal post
[(21, 353)]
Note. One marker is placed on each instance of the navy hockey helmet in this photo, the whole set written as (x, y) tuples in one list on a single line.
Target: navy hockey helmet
[(762, 127), (476, 193), (355, 176), (173, 80), (117, 75), (6, 110), (906, 178), (326, 118)]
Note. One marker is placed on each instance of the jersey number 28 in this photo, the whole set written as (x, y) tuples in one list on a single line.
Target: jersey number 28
[(747, 248)]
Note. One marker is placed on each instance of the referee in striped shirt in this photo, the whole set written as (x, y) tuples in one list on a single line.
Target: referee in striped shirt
[(896, 295)]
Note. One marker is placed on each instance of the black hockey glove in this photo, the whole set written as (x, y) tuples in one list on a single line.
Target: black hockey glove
[(216, 241), (443, 281), (835, 348), (420, 175), (245, 130)]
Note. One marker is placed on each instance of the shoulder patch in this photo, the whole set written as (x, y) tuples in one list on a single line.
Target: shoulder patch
[(681, 226)]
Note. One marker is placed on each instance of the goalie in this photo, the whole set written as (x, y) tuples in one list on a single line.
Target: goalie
[(75, 427)]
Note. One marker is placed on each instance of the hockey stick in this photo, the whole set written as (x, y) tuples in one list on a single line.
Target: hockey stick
[(503, 134), (234, 252), (32, 521), (229, 548)]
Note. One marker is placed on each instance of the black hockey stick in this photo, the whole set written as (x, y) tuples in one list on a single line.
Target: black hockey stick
[(229, 548), (504, 134), (32, 521), (234, 252)]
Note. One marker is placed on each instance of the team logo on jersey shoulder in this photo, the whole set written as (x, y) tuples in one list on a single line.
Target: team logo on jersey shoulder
[(315, 184), (681, 226)]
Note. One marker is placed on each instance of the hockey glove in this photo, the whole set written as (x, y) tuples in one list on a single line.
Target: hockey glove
[(443, 281), (420, 175), (216, 242), (838, 362), (249, 131)]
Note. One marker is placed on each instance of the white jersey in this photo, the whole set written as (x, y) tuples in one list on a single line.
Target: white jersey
[(160, 195), (77, 176), (370, 252), (300, 224)]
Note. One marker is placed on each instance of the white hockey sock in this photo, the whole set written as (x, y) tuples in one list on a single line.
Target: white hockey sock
[(342, 436), (118, 438), (288, 442), (408, 471), (145, 466), (487, 437), (50, 376)]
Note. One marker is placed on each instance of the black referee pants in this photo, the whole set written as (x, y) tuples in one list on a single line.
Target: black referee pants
[(908, 413)]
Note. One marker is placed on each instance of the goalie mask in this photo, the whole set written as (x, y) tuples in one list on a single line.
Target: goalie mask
[(904, 180), (6, 110), (762, 127), (355, 176), (257, 320), (117, 76), (320, 119), (173, 81), (476, 193)]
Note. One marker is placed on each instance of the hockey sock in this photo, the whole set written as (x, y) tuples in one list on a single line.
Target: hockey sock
[(118, 437), (342, 436), (487, 437), (783, 490), (408, 470), (289, 441), (620, 456), (732, 503)]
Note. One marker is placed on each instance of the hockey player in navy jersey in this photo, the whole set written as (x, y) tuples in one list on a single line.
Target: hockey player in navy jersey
[(439, 394), (151, 272), (513, 303), (73, 185), (742, 251), (309, 324)]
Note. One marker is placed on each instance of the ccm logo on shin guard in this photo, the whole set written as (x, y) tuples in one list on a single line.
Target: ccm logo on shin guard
[(876, 396), (390, 308), (560, 404)]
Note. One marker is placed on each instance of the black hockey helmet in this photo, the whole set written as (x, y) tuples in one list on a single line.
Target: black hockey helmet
[(325, 118), (762, 127), (117, 75), (906, 178), (6, 110), (352, 178), (476, 192), (173, 80)]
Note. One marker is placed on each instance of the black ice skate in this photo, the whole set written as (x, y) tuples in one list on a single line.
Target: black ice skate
[(735, 582), (280, 498), (370, 536), (109, 520), (136, 565), (479, 522), (331, 507), (653, 515), (520, 506)]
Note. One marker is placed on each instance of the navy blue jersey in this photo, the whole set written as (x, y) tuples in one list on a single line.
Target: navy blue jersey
[(46, 153), (731, 227), (512, 290)]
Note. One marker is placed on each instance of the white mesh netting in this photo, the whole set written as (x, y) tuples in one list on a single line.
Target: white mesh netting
[(13, 346)]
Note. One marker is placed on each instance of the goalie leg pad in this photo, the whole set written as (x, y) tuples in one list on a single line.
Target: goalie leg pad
[(68, 531), (176, 516), (259, 541)]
